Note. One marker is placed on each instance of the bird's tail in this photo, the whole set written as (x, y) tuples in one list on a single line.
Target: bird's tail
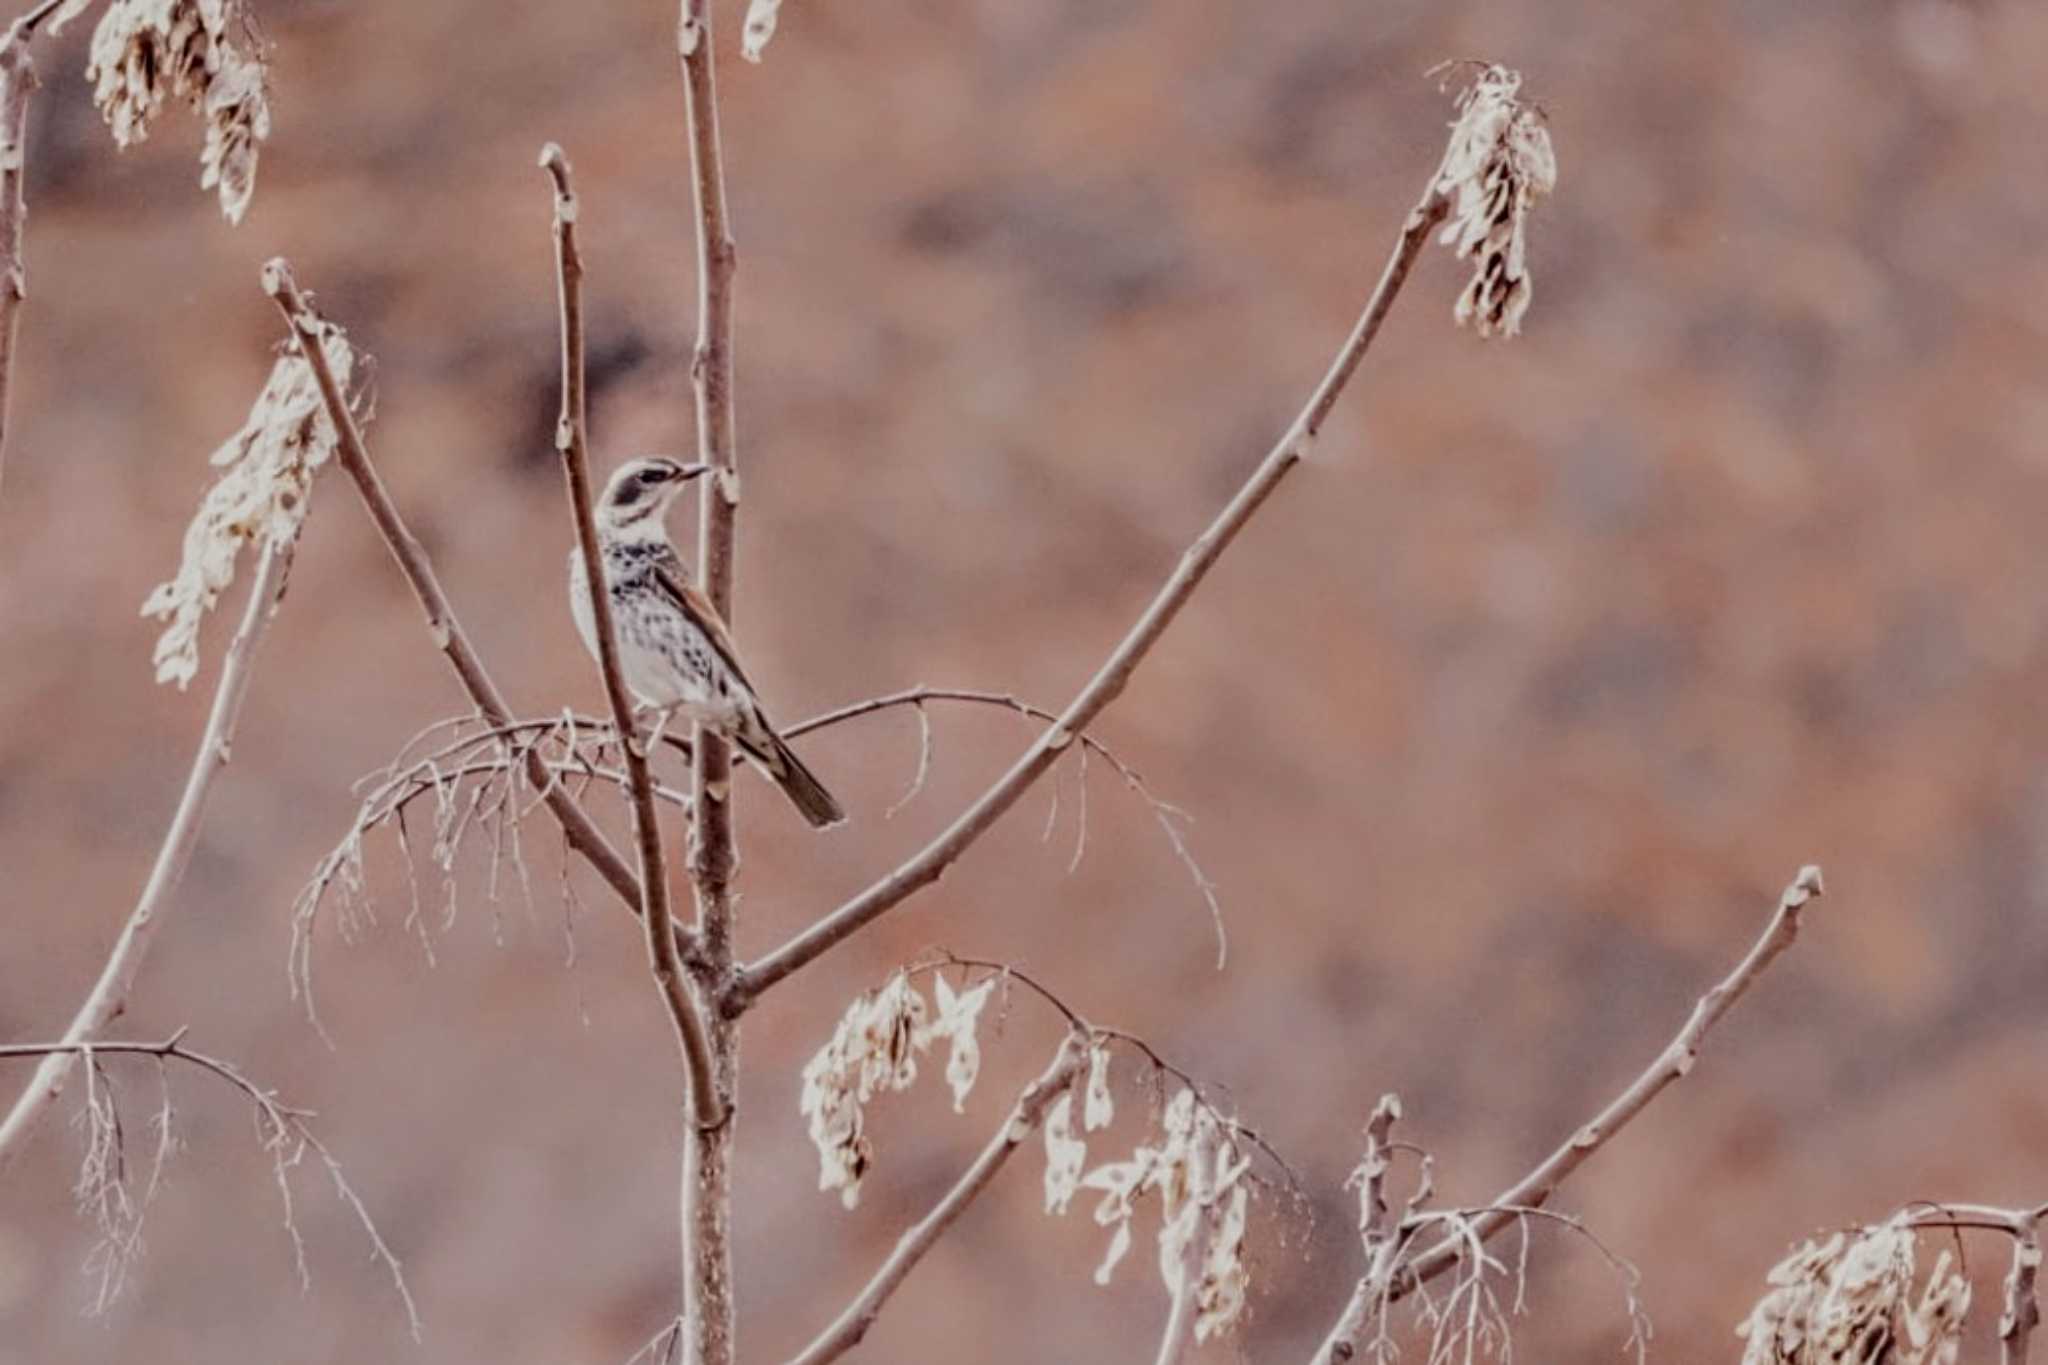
[(760, 742)]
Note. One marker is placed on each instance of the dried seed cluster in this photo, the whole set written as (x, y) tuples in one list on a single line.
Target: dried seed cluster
[(266, 476), (1851, 1298), (1498, 164), (204, 52)]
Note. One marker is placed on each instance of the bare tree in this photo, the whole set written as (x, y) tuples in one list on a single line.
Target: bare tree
[(1201, 1167)]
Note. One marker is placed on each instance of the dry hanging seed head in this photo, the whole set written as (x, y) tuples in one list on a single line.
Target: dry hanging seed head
[(1850, 1298), (1498, 164), (875, 1048), (267, 471), (1198, 1172), (204, 52)]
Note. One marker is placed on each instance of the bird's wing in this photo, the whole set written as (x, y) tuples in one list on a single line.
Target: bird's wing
[(674, 581)]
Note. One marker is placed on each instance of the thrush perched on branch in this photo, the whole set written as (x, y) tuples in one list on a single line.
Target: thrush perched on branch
[(675, 652)]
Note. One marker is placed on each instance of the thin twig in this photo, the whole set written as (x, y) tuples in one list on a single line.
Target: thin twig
[(442, 624), (706, 1106), (925, 867), (1535, 1188), (708, 1152), (1023, 1120), (284, 1134), (109, 996), (1169, 816)]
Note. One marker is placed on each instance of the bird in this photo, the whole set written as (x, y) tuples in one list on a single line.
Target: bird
[(675, 652)]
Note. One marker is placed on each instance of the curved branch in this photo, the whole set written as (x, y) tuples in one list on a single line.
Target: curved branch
[(109, 995), (706, 1108), (1535, 1188), (929, 863), (1036, 1098)]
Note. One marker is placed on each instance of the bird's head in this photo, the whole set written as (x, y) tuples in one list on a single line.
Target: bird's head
[(637, 496)]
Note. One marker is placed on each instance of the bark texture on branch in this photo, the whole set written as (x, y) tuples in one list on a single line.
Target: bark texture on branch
[(708, 1311)]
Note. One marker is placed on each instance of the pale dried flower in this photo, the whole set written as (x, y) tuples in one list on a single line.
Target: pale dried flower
[(873, 1049), (1196, 1170), (1219, 1296), (955, 1020), (1065, 1155), (1498, 164), (267, 470), (237, 121), (204, 52), (1850, 1298), (1099, 1110), (760, 27)]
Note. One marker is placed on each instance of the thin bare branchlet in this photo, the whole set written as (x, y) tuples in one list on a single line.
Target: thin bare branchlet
[(663, 1348), (1173, 820), (206, 53), (1498, 164), (476, 781), (103, 1184), (261, 496)]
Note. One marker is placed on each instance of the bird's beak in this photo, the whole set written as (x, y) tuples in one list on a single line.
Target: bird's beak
[(685, 473)]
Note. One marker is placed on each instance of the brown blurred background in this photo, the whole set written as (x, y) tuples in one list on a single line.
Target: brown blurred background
[(1502, 725)]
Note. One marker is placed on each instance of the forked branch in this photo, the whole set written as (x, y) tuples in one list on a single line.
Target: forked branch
[(706, 1106), (1383, 1286), (442, 624), (925, 866)]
